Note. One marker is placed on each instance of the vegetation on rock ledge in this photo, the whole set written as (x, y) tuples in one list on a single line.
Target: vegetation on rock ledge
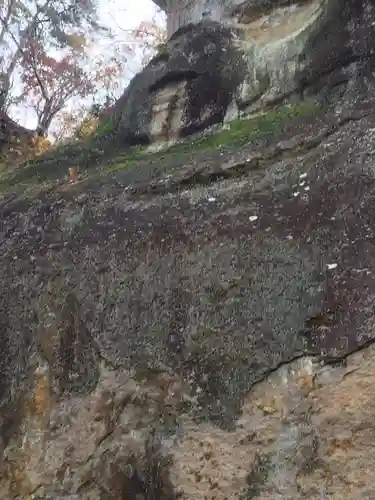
[(97, 157)]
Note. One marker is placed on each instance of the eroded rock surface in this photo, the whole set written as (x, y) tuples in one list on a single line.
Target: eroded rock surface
[(256, 55), (192, 331), (201, 326)]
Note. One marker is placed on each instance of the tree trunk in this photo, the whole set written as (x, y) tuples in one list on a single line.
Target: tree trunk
[(46, 117), (5, 85), (4, 80), (182, 12)]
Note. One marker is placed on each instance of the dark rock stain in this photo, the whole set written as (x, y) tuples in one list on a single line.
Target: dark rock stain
[(76, 355)]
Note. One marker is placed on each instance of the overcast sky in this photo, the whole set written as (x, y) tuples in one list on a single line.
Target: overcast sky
[(119, 15)]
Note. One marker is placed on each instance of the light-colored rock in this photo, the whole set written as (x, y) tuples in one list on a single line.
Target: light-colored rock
[(307, 431), (276, 47)]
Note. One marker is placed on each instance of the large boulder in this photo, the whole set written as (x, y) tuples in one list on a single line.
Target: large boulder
[(186, 88), (260, 54)]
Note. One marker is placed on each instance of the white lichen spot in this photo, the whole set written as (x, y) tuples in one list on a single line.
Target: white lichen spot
[(307, 188), (253, 218), (211, 198), (302, 183), (289, 237), (303, 176), (296, 193), (332, 266)]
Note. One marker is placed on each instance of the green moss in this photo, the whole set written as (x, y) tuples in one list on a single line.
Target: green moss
[(239, 133), (105, 127), (98, 156)]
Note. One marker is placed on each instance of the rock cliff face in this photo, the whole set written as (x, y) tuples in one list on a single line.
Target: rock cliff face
[(198, 323), (263, 53)]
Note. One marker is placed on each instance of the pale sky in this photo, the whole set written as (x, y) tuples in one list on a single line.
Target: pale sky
[(119, 15)]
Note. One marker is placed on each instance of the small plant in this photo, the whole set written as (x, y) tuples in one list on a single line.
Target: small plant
[(87, 127), (105, 127), (39, 146)]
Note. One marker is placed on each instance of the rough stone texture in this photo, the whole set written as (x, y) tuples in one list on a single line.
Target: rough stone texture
[(203, 328), (192, 332), (188, 11), (186, 88), (183, 12), (14, 140), (260, 54)]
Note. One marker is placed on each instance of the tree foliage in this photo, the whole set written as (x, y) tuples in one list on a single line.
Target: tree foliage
[(51, 82), (150, 35), (55, 24), (49, 61), (147, 37)]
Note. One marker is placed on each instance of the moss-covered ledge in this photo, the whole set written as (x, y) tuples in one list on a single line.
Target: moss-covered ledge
[(99, 157)]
